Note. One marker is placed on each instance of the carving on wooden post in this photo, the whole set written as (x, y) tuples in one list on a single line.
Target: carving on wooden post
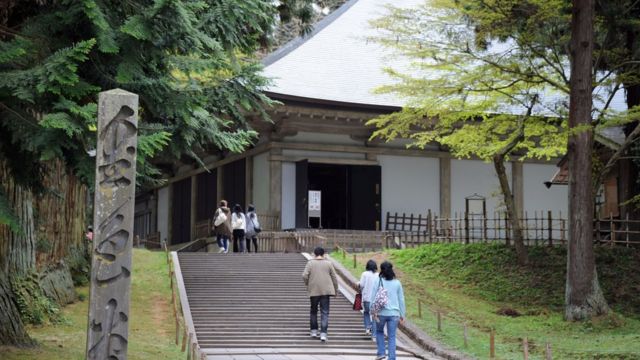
[(107, 333)]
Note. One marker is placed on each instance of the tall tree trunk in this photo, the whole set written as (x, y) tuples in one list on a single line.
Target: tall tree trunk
[(514, 217), (583, 296), (17, 257), (12, 330)]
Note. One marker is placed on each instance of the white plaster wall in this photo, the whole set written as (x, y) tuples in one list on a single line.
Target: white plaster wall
[(409, 185), (261, 182), (537, 197), (321, 138), (474, 176), (288, 214), (163, 212)]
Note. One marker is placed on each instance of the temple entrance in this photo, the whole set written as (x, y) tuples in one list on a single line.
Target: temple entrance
[(350, 196)]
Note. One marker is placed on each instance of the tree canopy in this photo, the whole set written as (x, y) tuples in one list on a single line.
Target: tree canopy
[(192, 62)]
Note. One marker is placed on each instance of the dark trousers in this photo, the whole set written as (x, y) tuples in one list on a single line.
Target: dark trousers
[(238, 240), (323, 301), (255, 243)]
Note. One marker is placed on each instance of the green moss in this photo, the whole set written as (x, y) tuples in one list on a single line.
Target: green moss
[(35, 308)]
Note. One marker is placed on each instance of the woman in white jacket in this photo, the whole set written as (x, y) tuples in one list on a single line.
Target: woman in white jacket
[(367, 281), (239, 226)]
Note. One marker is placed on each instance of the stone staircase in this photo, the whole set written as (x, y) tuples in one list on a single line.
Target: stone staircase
[(255, 306)]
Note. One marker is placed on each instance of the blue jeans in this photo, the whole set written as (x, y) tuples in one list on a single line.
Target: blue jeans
[(392, 326), (368, 324), (223, 241), (323, 301)]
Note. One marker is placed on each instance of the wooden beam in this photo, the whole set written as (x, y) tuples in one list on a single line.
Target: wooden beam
[(248, 189), (323, 160), (221, 162), (194, 199)]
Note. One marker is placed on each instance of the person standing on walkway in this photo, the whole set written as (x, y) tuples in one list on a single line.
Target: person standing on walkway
[(366, 284), (320, 277), (239, 226), (253, 228), (391, 314), (222, 226)]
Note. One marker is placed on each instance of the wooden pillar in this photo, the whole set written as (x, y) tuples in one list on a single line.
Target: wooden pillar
[(517, 182), (219, 185), (248, 190), (445, 187), (168, 236), (108, 329), (194, 199), (153, 207), (275, 181)]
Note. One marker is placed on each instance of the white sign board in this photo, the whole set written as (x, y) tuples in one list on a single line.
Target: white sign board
[(314, 203)]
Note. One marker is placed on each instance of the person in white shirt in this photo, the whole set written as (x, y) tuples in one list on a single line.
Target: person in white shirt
[(366, 284), (239, 226)]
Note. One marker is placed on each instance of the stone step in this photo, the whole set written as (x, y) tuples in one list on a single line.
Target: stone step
[(247, 304)]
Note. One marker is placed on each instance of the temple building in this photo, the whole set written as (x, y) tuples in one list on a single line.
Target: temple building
[(317, 141)]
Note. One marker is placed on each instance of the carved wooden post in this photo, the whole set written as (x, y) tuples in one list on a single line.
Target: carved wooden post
[(107, 334)]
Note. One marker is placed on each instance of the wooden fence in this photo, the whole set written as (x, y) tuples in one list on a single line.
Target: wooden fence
[(614, 231), (538, 228)]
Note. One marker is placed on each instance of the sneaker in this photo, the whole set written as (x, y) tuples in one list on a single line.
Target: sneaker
[(367, 332), (314, 333), (221, 250), (380, 357), (226, 251), (323, 337)]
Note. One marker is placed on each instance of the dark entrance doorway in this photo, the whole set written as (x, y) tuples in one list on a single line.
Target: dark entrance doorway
[(181, 212), (350, 195)]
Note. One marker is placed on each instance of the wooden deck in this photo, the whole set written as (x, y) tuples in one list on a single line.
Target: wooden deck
[(255, 306)]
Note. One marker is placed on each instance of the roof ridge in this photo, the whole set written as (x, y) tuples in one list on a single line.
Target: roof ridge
[(299, 40)]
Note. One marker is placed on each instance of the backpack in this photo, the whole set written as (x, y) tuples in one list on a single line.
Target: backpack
[(221, 218), (380, 301)]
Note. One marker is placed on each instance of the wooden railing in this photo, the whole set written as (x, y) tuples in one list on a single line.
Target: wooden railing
[(268, 222), (203, 229), (537, 228), (621, 232)]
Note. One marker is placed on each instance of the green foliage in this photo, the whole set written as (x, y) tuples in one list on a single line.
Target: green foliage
[(478, 67), (35, 308), (79, 264), (191, 61), (474, 92)]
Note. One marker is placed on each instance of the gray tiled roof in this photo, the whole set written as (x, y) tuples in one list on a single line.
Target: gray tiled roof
[(337, 62)]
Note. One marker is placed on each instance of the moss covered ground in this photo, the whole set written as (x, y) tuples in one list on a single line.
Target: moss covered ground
[(151, 331), (481, 286)]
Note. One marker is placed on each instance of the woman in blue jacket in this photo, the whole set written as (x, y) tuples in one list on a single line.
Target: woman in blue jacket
[(393, 312)]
